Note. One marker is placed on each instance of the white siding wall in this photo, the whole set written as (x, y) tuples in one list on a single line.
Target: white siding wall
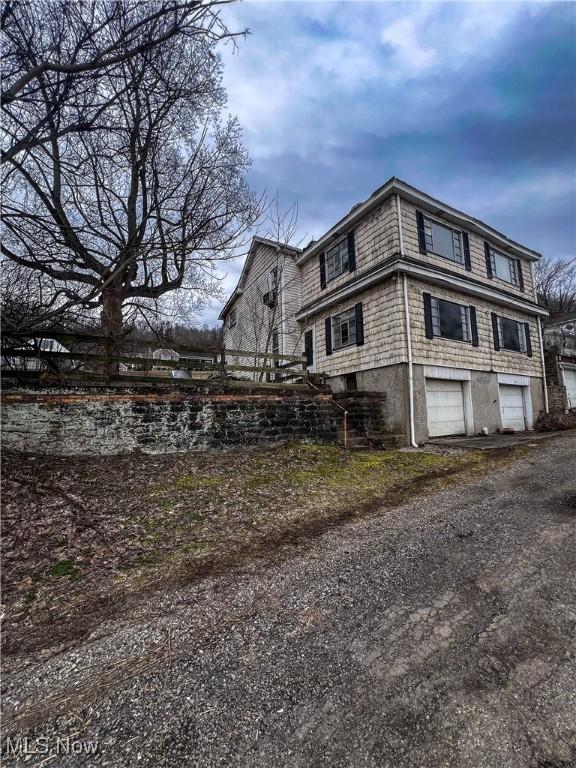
[(255, 320)]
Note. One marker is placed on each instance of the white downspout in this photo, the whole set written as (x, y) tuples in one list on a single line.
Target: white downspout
[(541, 339), (413, 442)]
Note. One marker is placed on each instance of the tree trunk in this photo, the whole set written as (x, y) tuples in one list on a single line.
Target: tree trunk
[(111, 326)]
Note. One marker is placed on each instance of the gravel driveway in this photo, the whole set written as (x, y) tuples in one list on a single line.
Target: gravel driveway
[(442, 633)]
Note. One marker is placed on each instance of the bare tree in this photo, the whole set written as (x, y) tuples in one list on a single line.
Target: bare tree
[(62, 47), (120, 215), (556, 286)]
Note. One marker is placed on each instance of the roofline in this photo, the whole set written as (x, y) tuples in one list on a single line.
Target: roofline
[(256, 240), (397, 186)]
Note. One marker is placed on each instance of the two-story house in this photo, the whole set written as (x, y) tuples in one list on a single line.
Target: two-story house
[(411, 297), (260, 315)]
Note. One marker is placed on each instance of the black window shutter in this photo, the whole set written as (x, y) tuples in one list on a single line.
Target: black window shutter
[(322, 260), (488, 260), (528, 340), (467, 262), (421, 234), (495, 331), (520, 275), (328, 329), (473, 326), (428, 315), (351, 252), (359, 324), (309, 348)]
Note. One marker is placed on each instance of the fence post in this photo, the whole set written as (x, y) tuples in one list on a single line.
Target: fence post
[(223, 363)]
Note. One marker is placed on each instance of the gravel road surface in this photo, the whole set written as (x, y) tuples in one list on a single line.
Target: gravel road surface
[(441, 633)]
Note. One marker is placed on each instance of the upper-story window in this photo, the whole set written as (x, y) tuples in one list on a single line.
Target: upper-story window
[(232, 318), (273, 279), (337, 260), (443, 241), (504, 267)]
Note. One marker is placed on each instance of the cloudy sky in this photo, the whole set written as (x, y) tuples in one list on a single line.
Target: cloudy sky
[(474, 103)]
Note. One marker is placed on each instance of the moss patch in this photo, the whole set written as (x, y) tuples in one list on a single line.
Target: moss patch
[(64, 568), (194, 482)]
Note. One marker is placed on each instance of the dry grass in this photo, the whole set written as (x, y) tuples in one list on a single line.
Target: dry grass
[(83, 535)]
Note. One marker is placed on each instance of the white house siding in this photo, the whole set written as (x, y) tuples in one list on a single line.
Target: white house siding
[(255, 320), (291, 339), (477, 255), (375, 237)]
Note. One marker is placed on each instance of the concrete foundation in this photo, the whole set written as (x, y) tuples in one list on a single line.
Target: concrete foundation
[(393, 380)]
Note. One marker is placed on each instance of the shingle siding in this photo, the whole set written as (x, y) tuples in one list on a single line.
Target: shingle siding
[(376, 238), (477, 255), (384, 337), (458, 354)]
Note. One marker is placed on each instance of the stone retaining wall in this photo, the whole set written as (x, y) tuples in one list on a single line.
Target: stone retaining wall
[(101, 421)]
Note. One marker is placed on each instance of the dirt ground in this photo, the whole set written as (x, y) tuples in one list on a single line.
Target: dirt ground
[(80, 536), (436, 632)]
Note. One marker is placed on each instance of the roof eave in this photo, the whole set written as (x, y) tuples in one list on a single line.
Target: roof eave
[(396, 186)]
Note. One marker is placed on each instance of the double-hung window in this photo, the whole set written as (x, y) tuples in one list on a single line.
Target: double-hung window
[(344, 329), (337, 260), (511, 334), (273, 279), (450, 320), (232, 319), (504, 267), (443, 241)]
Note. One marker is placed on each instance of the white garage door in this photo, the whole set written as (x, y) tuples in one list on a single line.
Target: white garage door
[(570, 384), (512, 407), (445, 406)]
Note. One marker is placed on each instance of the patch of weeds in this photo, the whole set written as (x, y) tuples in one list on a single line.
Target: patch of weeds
[(195, 482), (149, 524), (385, 467), (30, 597), (64, 568), (193, 516), (147, 558), (266, 478)]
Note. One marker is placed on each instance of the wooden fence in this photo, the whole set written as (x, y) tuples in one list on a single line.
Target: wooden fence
[(70, 355)]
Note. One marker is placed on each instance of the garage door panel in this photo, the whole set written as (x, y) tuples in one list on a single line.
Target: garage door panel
[(512, 407), (570, 384), (445, 406)]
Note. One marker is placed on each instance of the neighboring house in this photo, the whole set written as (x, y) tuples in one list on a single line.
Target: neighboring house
[(17, 362), (411, 297), (260, 315), (199, 359), (560, 355)]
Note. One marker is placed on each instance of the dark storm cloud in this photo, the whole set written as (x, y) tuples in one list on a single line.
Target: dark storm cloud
[(473, 103)]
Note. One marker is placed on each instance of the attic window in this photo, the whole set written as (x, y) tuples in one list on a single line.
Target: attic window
[(232, 318)]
